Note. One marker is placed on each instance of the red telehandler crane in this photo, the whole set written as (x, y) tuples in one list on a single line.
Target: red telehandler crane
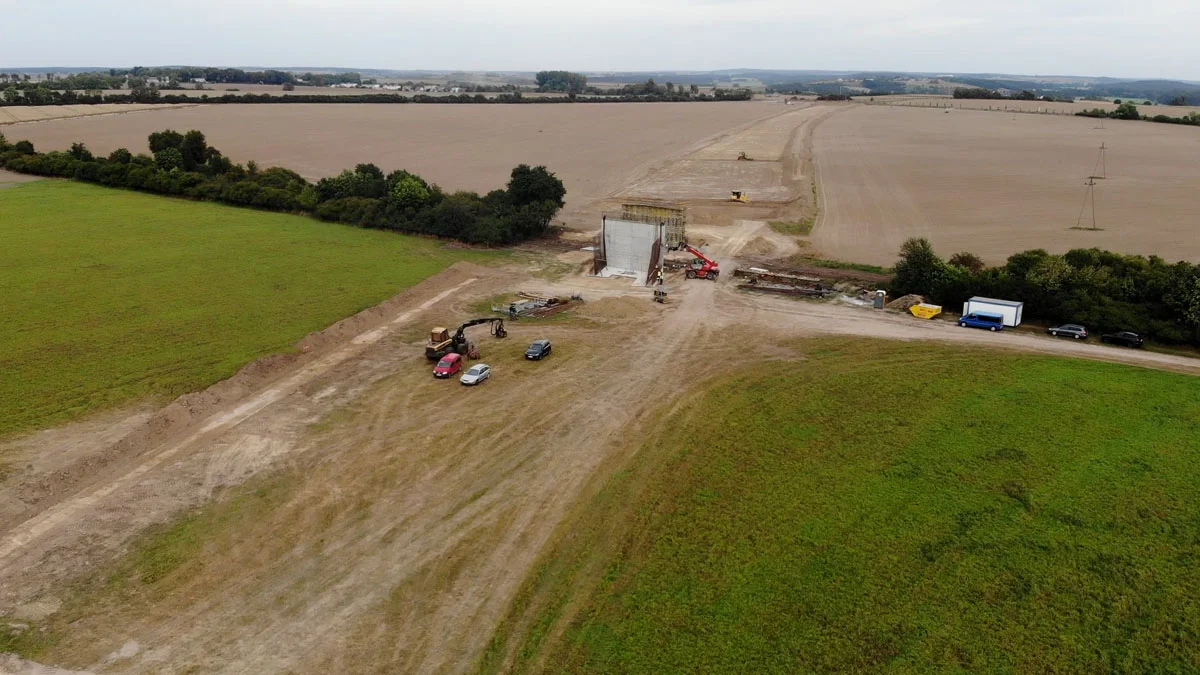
[(704, 267)]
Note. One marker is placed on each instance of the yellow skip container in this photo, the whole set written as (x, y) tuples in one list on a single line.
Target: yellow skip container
[(924, 311)]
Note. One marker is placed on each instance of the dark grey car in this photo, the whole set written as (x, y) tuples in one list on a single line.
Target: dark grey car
[(538, 350), (1072, 330)]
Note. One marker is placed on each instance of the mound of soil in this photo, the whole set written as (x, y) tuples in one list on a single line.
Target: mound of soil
[(904, 302), (758, 246)]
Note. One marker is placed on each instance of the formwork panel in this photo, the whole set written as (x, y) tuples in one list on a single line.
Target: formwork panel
[(629, 246)]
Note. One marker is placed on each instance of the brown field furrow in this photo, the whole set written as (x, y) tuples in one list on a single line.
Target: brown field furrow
[(996, 184), (25, 114), (595, 148)]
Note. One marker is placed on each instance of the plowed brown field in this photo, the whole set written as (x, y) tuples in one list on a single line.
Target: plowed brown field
[(595, 148), (995, 184)]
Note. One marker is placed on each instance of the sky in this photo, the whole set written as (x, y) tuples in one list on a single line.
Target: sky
[(1117, 38)]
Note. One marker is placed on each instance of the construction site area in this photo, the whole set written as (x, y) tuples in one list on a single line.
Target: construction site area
[(338, 509)]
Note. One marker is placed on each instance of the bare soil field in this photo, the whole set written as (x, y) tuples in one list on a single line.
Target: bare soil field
[(1054, 108), (19, 114), (9, 178), (996, 184), (594, 148), (777, 175)]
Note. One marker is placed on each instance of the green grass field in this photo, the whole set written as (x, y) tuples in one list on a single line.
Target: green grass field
[(885, 507), (112, 296)]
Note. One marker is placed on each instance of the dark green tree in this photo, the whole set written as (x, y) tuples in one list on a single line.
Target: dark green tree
[(80, 151), (561, 80), (168, 159), (1126, 111), (537, 184), (194, 149), (919, 270), (161, 140), (968, 261)]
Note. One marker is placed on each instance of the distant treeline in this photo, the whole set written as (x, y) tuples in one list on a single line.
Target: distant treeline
[(173, 78), (640, 93), (1129, 111), (1105, 291), (992, 94), (185, 165), (567, 82)]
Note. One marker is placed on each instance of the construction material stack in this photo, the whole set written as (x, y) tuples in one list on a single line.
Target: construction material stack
[(762, 279)]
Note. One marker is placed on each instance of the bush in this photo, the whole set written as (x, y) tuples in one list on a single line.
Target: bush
[(1104, 290), (184, 164)]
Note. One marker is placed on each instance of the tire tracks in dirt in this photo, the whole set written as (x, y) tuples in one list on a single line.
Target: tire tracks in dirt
[(107, 507)]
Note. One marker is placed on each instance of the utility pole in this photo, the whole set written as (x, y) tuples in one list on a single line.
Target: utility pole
[(1089, 197), (1101, 169)]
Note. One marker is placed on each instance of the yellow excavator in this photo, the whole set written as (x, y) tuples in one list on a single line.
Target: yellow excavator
[(442, 342)]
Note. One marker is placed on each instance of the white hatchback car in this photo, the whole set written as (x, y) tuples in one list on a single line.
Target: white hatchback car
[(476, 374)]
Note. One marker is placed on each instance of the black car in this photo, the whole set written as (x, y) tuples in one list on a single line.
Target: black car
[(538, 350), (1123, 338), (1072, 330)]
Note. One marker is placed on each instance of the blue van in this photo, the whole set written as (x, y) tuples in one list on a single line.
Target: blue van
[(992, 322)]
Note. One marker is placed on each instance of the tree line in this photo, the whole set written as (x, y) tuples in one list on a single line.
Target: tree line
[(1102, 290), (992, 94), (184, 165), (565, 81), (1128, 111), (630, 94), (172, 78)]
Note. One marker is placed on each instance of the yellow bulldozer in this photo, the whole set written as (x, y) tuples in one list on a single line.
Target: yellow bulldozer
[(738, 196)]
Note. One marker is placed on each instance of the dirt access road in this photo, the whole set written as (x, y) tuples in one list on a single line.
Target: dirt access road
[(402, 513)]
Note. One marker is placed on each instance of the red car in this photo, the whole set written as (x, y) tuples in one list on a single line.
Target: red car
[(449, 365)]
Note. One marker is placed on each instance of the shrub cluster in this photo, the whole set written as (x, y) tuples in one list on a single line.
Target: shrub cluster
[(1129, 111), (992, 94), (1103, 290), (185, 165)]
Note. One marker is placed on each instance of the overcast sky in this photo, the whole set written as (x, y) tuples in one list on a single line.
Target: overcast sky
[(1120, 38)]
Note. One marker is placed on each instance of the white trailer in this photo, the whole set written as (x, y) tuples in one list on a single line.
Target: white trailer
[(1011, 311)]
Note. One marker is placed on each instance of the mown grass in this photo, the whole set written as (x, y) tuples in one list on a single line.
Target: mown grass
[(800, 228), (111, 296), (888, 508), (839, 264)]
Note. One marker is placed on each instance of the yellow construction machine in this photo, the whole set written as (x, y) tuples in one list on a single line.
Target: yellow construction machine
[(738, 196)]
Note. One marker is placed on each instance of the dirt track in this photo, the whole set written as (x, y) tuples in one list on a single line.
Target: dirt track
[(409, 510)]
